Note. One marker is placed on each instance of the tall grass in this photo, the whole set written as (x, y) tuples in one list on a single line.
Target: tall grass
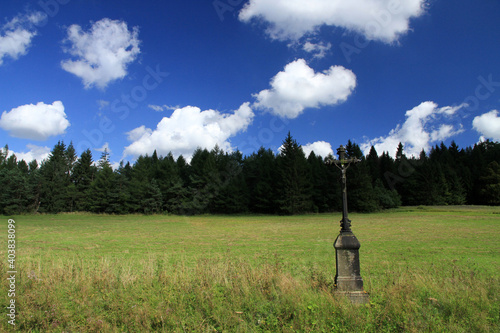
[(426, 271)]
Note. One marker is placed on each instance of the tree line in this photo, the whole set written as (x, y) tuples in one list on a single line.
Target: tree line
[(219, 182)]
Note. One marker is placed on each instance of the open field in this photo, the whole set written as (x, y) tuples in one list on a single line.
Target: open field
[(427, 269)]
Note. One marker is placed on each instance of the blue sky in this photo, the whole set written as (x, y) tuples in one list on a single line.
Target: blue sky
[(135, 76)]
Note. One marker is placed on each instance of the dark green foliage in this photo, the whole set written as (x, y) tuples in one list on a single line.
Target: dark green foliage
[(56, 178), (491, 184), (103, 193), (360, 194), (15, 194), (294, 183), (83, 174), (325, 186), (232, 194), (260, 173), (386, 198), (219, 182)]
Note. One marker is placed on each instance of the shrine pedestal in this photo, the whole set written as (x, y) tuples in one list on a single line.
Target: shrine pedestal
[(348, 279)]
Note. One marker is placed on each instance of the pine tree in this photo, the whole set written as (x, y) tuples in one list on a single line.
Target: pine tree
[(35, 186), (83, 174), (361, 196), (260, 177), (16, 193), (102, 193), (204, 182), (373, 163), (4, 153), (140, 183), (55, 181), (325, 187), (294, 184), (490, 182), (122, 183), (152, 203)]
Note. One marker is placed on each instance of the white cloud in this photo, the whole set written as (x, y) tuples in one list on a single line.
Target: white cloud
[(138, 133), (383, 20), (320, 148), (157, 108), (36, 122), (115, 165), (105, 148), (318, 49), (187, 129), (17, 34), (103, 53), (160, 108), (488, 125), (444, 132), (419, 130), (35, 153), (298, 87), (102, 104)]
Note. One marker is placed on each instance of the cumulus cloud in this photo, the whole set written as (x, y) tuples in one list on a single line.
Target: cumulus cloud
[(488, 125), (102, 53), (298, 87), (34, 153), (320, 148), (138, 133), (317, 49), (383, 20), (424, 126), (187, 129), (17, 34), (36, 122)]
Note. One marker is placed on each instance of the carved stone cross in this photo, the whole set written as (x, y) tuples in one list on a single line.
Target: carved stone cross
[(348, 279), (343, 163)]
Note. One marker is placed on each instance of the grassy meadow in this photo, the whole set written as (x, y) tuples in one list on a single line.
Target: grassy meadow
[(427, 269)]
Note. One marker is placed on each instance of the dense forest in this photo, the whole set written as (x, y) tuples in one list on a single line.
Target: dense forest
[(219, 182)]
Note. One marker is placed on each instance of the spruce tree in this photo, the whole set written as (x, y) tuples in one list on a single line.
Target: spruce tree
[(83, 174), (294, 184), (102, 193), (260, 178), (55, 181), (361, 196), (490, 182)]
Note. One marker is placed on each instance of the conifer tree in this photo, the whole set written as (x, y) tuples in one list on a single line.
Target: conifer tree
[(491, 184), (55, 181), (260, 177), (294, 184), (83, 174), (361, 196), (102, 192), (325, 185)]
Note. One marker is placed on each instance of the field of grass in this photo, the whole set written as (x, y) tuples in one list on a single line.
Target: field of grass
[(427, 269)]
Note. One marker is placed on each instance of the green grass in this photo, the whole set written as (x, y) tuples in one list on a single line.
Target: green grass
[(427, 269)]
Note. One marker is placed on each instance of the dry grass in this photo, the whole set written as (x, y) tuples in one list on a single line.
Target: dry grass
[(426, 270)]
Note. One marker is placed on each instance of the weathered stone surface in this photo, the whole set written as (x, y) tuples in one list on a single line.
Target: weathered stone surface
[(356, 297), (348, 277)]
